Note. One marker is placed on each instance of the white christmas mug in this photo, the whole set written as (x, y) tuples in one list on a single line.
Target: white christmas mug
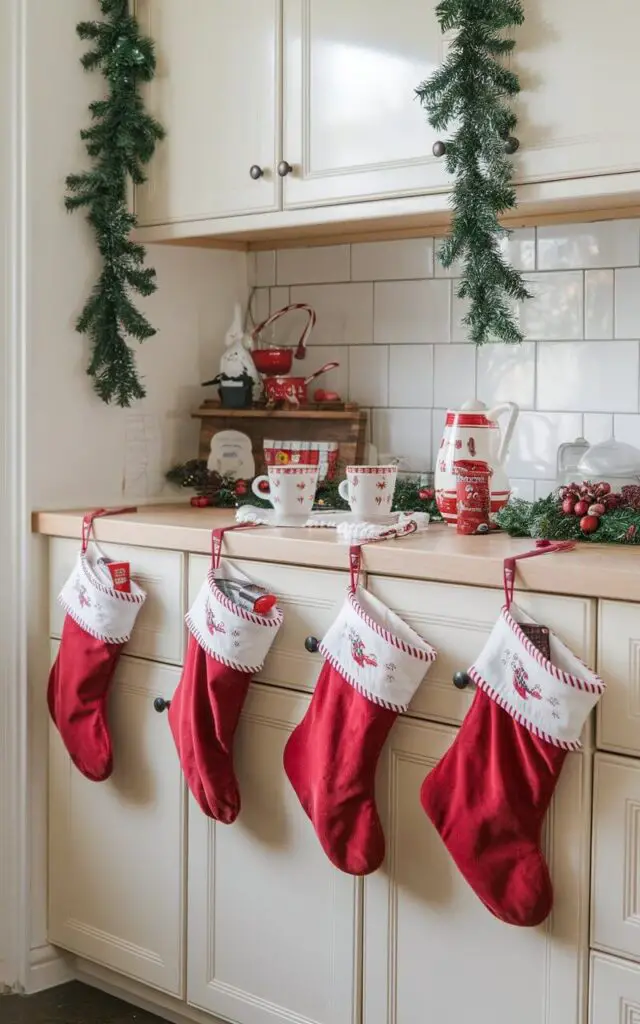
[(291, 492), (369, 490)]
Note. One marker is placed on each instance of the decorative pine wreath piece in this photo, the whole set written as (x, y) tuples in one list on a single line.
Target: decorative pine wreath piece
[(120, 141), (470, 92)]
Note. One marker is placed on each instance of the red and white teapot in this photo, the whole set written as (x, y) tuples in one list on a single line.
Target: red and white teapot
[(472, 432)]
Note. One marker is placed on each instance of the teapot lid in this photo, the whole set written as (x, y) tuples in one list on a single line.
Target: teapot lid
[(473, 405)]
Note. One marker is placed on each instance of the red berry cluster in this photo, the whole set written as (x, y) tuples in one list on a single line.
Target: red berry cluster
[(589, 502)]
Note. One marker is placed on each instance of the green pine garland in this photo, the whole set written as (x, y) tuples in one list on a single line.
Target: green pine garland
[(545, 518), (471, 90), (121, 140)]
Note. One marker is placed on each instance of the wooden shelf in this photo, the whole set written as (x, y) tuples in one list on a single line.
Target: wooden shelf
[(307, 412)]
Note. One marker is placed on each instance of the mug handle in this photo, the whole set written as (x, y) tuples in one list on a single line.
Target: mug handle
[(343, 490), (264, 495)]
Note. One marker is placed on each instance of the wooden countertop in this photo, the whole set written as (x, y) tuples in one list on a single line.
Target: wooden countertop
[(590, 570)]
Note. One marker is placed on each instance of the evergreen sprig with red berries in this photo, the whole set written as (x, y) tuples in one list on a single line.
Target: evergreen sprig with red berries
[(587, 511)]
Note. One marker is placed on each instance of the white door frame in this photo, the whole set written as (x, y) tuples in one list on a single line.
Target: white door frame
[(14, 518)]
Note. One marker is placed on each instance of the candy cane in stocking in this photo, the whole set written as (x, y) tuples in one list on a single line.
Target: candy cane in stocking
[(489, 794), (97, 625), (374, 663), (227, 646)]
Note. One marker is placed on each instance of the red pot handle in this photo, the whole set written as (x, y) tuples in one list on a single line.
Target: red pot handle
[(318, 373), (304, 337)]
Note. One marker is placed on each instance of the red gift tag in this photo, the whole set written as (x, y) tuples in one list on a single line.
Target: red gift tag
[(121, 576)]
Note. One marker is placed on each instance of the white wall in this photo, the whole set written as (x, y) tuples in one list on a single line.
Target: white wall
[(388, 312), (78, 451)]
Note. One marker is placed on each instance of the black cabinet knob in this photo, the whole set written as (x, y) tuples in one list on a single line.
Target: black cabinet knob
[(256, 172), (160, 705), (312, 644), (439, 149), (461, 680), (284, 168), (511, 145)]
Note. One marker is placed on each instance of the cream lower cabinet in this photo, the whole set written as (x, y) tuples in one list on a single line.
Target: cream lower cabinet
[(614, 996), (432, 952), (274, 929), (117, 848)]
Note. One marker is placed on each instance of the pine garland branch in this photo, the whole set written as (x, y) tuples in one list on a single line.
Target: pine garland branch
[(120, 140), (472, 89)]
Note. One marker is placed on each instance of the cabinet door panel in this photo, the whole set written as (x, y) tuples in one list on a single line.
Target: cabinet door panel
[(310, 600), (116, 848), (578, 70), (619, 666), (353, 128), (615, 912), (430, 944), (457, 622), (614, 996), (159, 630), (216, 93), (273, 927)]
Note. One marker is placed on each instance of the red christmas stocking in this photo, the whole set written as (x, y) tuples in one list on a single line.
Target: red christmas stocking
[(489, 794), (374, 663), (227, 646), (98, 623)]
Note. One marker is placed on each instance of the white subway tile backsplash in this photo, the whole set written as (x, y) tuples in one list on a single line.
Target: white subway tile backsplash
[(593, 376), (392, 261), (598, 304), (524, 489), (627, 428), (556, 310), (627, 303), (519, 246), (454, 380), (345, 312), (317, 265), (543, 488), (369, 375), (411, 376), (406, 434), (387, 311), (264, 268), (614, 243), (412, 312), (597, 426), (507, 373), (534, 447)]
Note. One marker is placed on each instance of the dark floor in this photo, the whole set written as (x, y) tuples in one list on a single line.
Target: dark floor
[(71, 1004)]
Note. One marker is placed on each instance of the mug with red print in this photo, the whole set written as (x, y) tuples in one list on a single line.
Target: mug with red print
[(369, 490), (291, 491)]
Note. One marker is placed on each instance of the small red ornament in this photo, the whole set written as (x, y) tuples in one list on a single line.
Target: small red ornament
[(568, 506), (603, 488), (426, 493), (581, 508), (597, 510), (589, 524), (201, 502), (263, 487), (240, 488)]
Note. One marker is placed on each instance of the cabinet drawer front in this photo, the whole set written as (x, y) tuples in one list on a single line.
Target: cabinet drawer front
[(457, 622), (619, 665), (614, 996), (116, 850), (310, 600), (159, 630), (615, 915)]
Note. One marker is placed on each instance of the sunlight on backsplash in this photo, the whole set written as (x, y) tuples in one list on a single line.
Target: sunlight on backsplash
[(388, 312)]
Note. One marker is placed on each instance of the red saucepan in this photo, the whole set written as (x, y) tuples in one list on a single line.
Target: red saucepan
[(292, 389), (274, 360)]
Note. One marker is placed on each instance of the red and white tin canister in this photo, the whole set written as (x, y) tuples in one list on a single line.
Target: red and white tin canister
[(473, 496), (323, 454)]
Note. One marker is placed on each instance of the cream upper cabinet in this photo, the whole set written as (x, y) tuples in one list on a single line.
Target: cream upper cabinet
[(216, 93), (352, 126), (117, 848), (432, 951), (274, 928), (578, 68)]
